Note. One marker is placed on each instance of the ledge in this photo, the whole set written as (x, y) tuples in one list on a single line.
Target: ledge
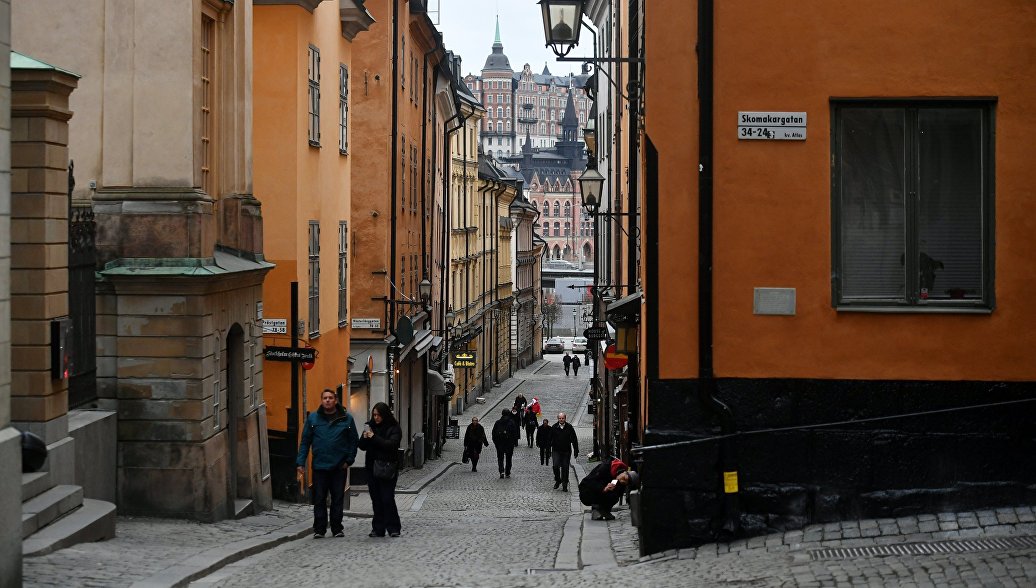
[(309, 5), (355, 18)]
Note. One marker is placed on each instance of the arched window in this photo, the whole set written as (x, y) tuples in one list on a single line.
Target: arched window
[(543, 113), (557, 252), (557, 229), (568, 209), (543, 128), (552, 129), (568, 229), (557, 209)]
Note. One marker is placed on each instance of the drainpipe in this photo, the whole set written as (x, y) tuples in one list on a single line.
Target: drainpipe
[(426, 270), (447, 206), (706, 376), (496, 287), (395, 195)]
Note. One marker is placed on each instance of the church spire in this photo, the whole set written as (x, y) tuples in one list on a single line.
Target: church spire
[(496, 41)]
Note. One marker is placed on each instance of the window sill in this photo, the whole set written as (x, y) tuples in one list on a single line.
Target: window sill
[(916, 309), (313, 143), (343, 152)]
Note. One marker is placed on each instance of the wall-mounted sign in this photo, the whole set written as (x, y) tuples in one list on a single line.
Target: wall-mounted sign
[(274, 326), (258, 310), (464, 359), (366, 323), (274, 353), (597, 333), (771, 126), (777, 301)]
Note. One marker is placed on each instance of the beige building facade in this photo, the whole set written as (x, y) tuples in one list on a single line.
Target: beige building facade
[(165, 162)]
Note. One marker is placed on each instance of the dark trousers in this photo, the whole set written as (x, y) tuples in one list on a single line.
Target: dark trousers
[(601, 501), (544, 455), (383, 498), (575, 370), (530, 432), (325, 481), (504, 454), (561, 464), (473, 456)]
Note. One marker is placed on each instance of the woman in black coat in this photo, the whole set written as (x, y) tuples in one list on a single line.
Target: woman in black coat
[(474, 440), (530, 425), (543, 434), (380, 440)]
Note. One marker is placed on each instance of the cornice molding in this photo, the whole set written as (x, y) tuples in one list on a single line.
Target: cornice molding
[(309, 5)]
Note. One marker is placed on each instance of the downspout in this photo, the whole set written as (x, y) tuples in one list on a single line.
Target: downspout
[(633, 261), (496, 287), (395, 167), (447, 206), (706, 376), (424, 157)]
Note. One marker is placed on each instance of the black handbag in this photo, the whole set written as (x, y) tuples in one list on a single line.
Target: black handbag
[(467, 455), (384, 470)]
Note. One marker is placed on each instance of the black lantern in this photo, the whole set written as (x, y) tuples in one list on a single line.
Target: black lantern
[(590, 138), (591, 183), (451, 318), (561, 23), (425, 289)]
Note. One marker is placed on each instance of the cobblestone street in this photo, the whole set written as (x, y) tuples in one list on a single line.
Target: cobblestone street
[(462, 528)]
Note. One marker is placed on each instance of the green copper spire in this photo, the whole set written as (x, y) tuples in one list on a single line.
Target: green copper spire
[(497, 40)]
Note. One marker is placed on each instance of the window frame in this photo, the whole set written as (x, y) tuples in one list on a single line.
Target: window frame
[(343, 274), (910, 302), (314, 280), (313, 94), (343, 109)]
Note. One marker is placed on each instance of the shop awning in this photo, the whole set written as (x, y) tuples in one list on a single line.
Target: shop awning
[(436, 384), (625, 311)]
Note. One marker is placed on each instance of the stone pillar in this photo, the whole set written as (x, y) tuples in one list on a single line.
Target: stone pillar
[(10, 445), (39, 254)]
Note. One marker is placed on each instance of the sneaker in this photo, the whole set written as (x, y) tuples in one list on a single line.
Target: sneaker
[(318, 535), (340, 534)]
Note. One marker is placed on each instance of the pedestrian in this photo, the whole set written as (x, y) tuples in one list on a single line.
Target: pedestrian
[(535, 406), (520, 402), (543, 442), (575, 366), (474, 440), (380, 439), (331, 433), (530, 425), (567, 360), (517, 416), (504, 434), (586, 357), (563, 444), (604, 485)]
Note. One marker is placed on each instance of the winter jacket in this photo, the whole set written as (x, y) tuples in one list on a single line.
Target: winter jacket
[(384, 445), (475, 438), (530, 419), (592, 485), (520, 403), (332, 437), (575, 361), (543, 434), (563, 439), (505, 432)]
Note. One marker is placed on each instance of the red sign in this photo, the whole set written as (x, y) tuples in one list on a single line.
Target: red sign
[(614, 360)]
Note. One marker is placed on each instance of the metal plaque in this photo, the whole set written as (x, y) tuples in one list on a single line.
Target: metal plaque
[(275, 326), (366, 323), (771, 126), (774, 301)]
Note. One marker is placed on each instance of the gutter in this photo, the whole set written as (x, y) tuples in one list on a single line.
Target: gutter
[(395, 174)]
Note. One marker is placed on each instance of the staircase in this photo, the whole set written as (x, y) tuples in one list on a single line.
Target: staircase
[(57, 516)]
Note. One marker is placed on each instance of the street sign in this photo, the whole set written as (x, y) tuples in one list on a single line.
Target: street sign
[(275, 353), (598, 333), (771, 126), (275, 326), (614, 360), (366, 323), (465, 359)]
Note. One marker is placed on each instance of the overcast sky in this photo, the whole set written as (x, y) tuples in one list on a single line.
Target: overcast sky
[(468, 27)]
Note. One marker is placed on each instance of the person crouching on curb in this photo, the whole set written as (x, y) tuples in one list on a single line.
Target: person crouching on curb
[(331, 433), (604, 485)]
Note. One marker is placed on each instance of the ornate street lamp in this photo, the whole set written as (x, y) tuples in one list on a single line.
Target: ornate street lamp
[(451, 318), (590, 139), (591, 183), (561, 23), (425, 290)]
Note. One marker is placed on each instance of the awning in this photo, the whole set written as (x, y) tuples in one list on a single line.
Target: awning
[(436, 384), (624, 311), (419, 346)]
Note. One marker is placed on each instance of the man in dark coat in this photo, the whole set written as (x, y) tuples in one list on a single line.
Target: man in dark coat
[(575, 365), (505, 435), (331, 433), (530, 425), (543, 442), (563, 443), (604, 485), (474, 440), (567, 360)]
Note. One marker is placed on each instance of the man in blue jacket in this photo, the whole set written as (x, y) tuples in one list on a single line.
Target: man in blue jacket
[(331, 432)]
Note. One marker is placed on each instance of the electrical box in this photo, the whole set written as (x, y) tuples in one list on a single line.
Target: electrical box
[(61, 348)]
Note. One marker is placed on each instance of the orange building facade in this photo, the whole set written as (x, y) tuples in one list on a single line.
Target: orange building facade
[(303, 168), (836, 251)]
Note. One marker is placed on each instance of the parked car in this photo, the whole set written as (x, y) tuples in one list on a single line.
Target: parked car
[(579, 344), (554, 345)]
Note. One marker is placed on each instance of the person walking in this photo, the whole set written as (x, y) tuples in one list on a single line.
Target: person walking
[(575, 366), (602, 488), (504, 434), (519, 402), (563, 443), (543, 442), (530, 426), (567, 360), (474, 440), (331, 433), (380, 439)]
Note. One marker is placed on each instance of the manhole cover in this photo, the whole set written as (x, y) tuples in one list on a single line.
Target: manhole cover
[(930, 548)]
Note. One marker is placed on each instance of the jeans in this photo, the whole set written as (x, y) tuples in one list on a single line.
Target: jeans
[(561, 466), (529, 434), (383, 498), (325, 481), (501, 454)]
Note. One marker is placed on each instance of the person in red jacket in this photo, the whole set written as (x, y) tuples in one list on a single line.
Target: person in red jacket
[(604, 485)]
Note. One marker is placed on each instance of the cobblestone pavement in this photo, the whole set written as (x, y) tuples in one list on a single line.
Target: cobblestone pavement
[(474, 529)]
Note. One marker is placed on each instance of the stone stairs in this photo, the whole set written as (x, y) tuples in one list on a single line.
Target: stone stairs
[(55, 516)]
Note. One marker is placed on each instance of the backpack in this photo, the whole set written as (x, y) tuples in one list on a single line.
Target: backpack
[(502, 433)]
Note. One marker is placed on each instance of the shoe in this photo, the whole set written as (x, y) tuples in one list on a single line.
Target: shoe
[(474, 470), (595, 515), (564, 488), (557, 485), (507, 475), (607, 516), (318, 535), (339, 534), (394, 534), (501, 475), (375, 534)]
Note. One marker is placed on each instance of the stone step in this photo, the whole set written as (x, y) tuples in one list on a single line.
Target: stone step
[(93, 521), (243, 508), (40, 511), (35, 484)]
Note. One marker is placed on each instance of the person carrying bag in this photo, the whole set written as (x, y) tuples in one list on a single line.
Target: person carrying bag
[(380, 440)]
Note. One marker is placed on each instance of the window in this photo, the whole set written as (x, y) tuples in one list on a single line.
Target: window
[(499, 112), (912, 204), (343, 273), (557, 209), (557, 229), (343, 108), (568, 209), (207, 103), (402, 70), (499, 127), (314, 96), (568, 229), (402, 173), (314, 279)]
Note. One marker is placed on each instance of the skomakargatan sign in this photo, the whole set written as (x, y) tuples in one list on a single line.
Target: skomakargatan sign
[(771, 126)]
